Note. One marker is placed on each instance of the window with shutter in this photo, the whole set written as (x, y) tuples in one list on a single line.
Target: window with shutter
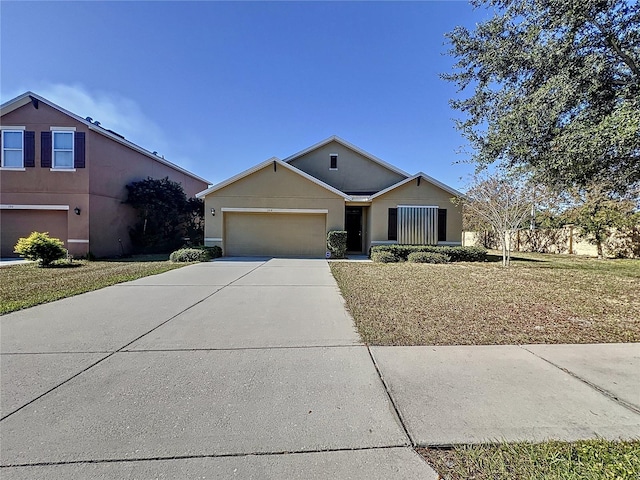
[(63, 144), (442, 224), (12, 148), (78, 150)]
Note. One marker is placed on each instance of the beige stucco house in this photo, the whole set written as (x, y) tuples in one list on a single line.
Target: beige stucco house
[(286, 207), (67, 175)]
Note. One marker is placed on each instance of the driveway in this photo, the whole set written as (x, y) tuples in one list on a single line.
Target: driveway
[(248, 368)]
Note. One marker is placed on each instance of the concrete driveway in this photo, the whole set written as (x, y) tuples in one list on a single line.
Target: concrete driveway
[(246, 369)]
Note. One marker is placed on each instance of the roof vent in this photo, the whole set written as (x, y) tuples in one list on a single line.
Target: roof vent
[(89, 119)]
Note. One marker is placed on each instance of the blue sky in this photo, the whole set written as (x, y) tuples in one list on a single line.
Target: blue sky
[(218, 87)]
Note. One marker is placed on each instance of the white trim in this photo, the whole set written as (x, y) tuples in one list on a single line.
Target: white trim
[(5, 206), (350, 146), (452, 244), (384, 242), (264, 164), (21, 149), (275, 210), (212, 239), (429, 179), (418, 206), (77, 240), (333, 169), (13, 169), (25, 99), (9, 127), (62, 169), (63, 129)]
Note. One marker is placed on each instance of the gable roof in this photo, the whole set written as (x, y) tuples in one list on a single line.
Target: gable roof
[(264, 164), (350, 146), (30, 97), (429, 179)]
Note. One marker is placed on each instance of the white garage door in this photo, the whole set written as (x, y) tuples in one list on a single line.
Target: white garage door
[(20, 223), (275, 234)]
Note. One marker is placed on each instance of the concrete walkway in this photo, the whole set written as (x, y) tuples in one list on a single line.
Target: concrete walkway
[(252, 368), (245, 369)]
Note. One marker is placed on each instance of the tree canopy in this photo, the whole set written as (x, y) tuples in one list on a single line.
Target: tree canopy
[(555, 88)]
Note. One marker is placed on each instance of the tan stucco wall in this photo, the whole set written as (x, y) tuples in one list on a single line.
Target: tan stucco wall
[(99, 189), (412, 194), (267, 188), (355, 172)]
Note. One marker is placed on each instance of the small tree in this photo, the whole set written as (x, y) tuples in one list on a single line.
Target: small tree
[(41, 247), (501, 203), (165, 215), (598, 212)]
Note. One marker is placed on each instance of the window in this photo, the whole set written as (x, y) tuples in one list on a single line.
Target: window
[(393, 224), (442, 224), (333, 165), (62, 149), (12, 149)]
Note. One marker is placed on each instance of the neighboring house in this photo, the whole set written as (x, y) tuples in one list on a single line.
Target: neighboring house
[(66, 175), (286, 207)]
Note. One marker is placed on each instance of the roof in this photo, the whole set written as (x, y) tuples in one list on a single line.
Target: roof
[(350, 146), (429, 179), (264, 164), (29, 97)]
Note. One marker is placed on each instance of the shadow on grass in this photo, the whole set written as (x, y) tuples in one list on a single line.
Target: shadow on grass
[(64, 265), (498, 259), (151, 257)]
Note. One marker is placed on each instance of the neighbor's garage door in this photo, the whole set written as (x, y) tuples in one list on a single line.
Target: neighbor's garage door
[(20, 223), (275, 234)]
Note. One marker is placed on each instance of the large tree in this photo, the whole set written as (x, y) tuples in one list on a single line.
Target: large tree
[(555, 87)]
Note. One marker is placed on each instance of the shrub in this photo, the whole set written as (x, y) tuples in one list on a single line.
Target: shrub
[(456, 254), (337, 243), (41, 247), (214, 252), (383, 257), (427, 257), (190, 255)]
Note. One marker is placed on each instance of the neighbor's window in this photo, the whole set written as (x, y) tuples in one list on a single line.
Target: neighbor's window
[(62, 149), (12, 149), (333, 165), (392, 233), (442, 224)]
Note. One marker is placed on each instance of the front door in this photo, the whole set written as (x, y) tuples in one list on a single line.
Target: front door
[(353, 226)]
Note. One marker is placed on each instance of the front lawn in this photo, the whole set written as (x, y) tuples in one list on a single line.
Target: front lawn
[(540, 299), (584, 460), (23, 286)]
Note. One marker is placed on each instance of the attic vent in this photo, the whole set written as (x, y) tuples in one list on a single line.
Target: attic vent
[(333, 161)]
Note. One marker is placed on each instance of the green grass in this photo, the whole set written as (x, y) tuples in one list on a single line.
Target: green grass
[(540, 299), (26, 285), (584, 460)]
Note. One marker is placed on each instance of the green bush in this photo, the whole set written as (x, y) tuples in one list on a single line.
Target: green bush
[(190, 255), (214, 252), (456, 254), (383, 257), (337, 243), (427, 257), (41, 247)]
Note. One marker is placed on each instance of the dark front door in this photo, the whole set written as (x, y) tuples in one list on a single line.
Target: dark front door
[(353, 226)]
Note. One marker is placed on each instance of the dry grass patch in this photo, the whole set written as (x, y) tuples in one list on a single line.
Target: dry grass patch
[(23, 286), (590, 459), (540, 299)]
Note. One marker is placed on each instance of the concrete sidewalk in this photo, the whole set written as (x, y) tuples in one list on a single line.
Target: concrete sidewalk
[(247, 368), (252, 368)]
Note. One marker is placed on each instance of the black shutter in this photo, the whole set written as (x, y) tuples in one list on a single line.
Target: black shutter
[(442, 224), (29, 149), (78, 150), (393, 224), (45, 149)]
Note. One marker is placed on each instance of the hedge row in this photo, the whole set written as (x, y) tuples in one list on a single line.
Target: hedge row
[(456, 254), (195, 254)]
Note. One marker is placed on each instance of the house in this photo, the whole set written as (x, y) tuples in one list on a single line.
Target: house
[(286, 207), (67, 175)]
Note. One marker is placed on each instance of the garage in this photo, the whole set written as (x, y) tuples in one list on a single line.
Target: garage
[(275, 233), (20, 223)]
